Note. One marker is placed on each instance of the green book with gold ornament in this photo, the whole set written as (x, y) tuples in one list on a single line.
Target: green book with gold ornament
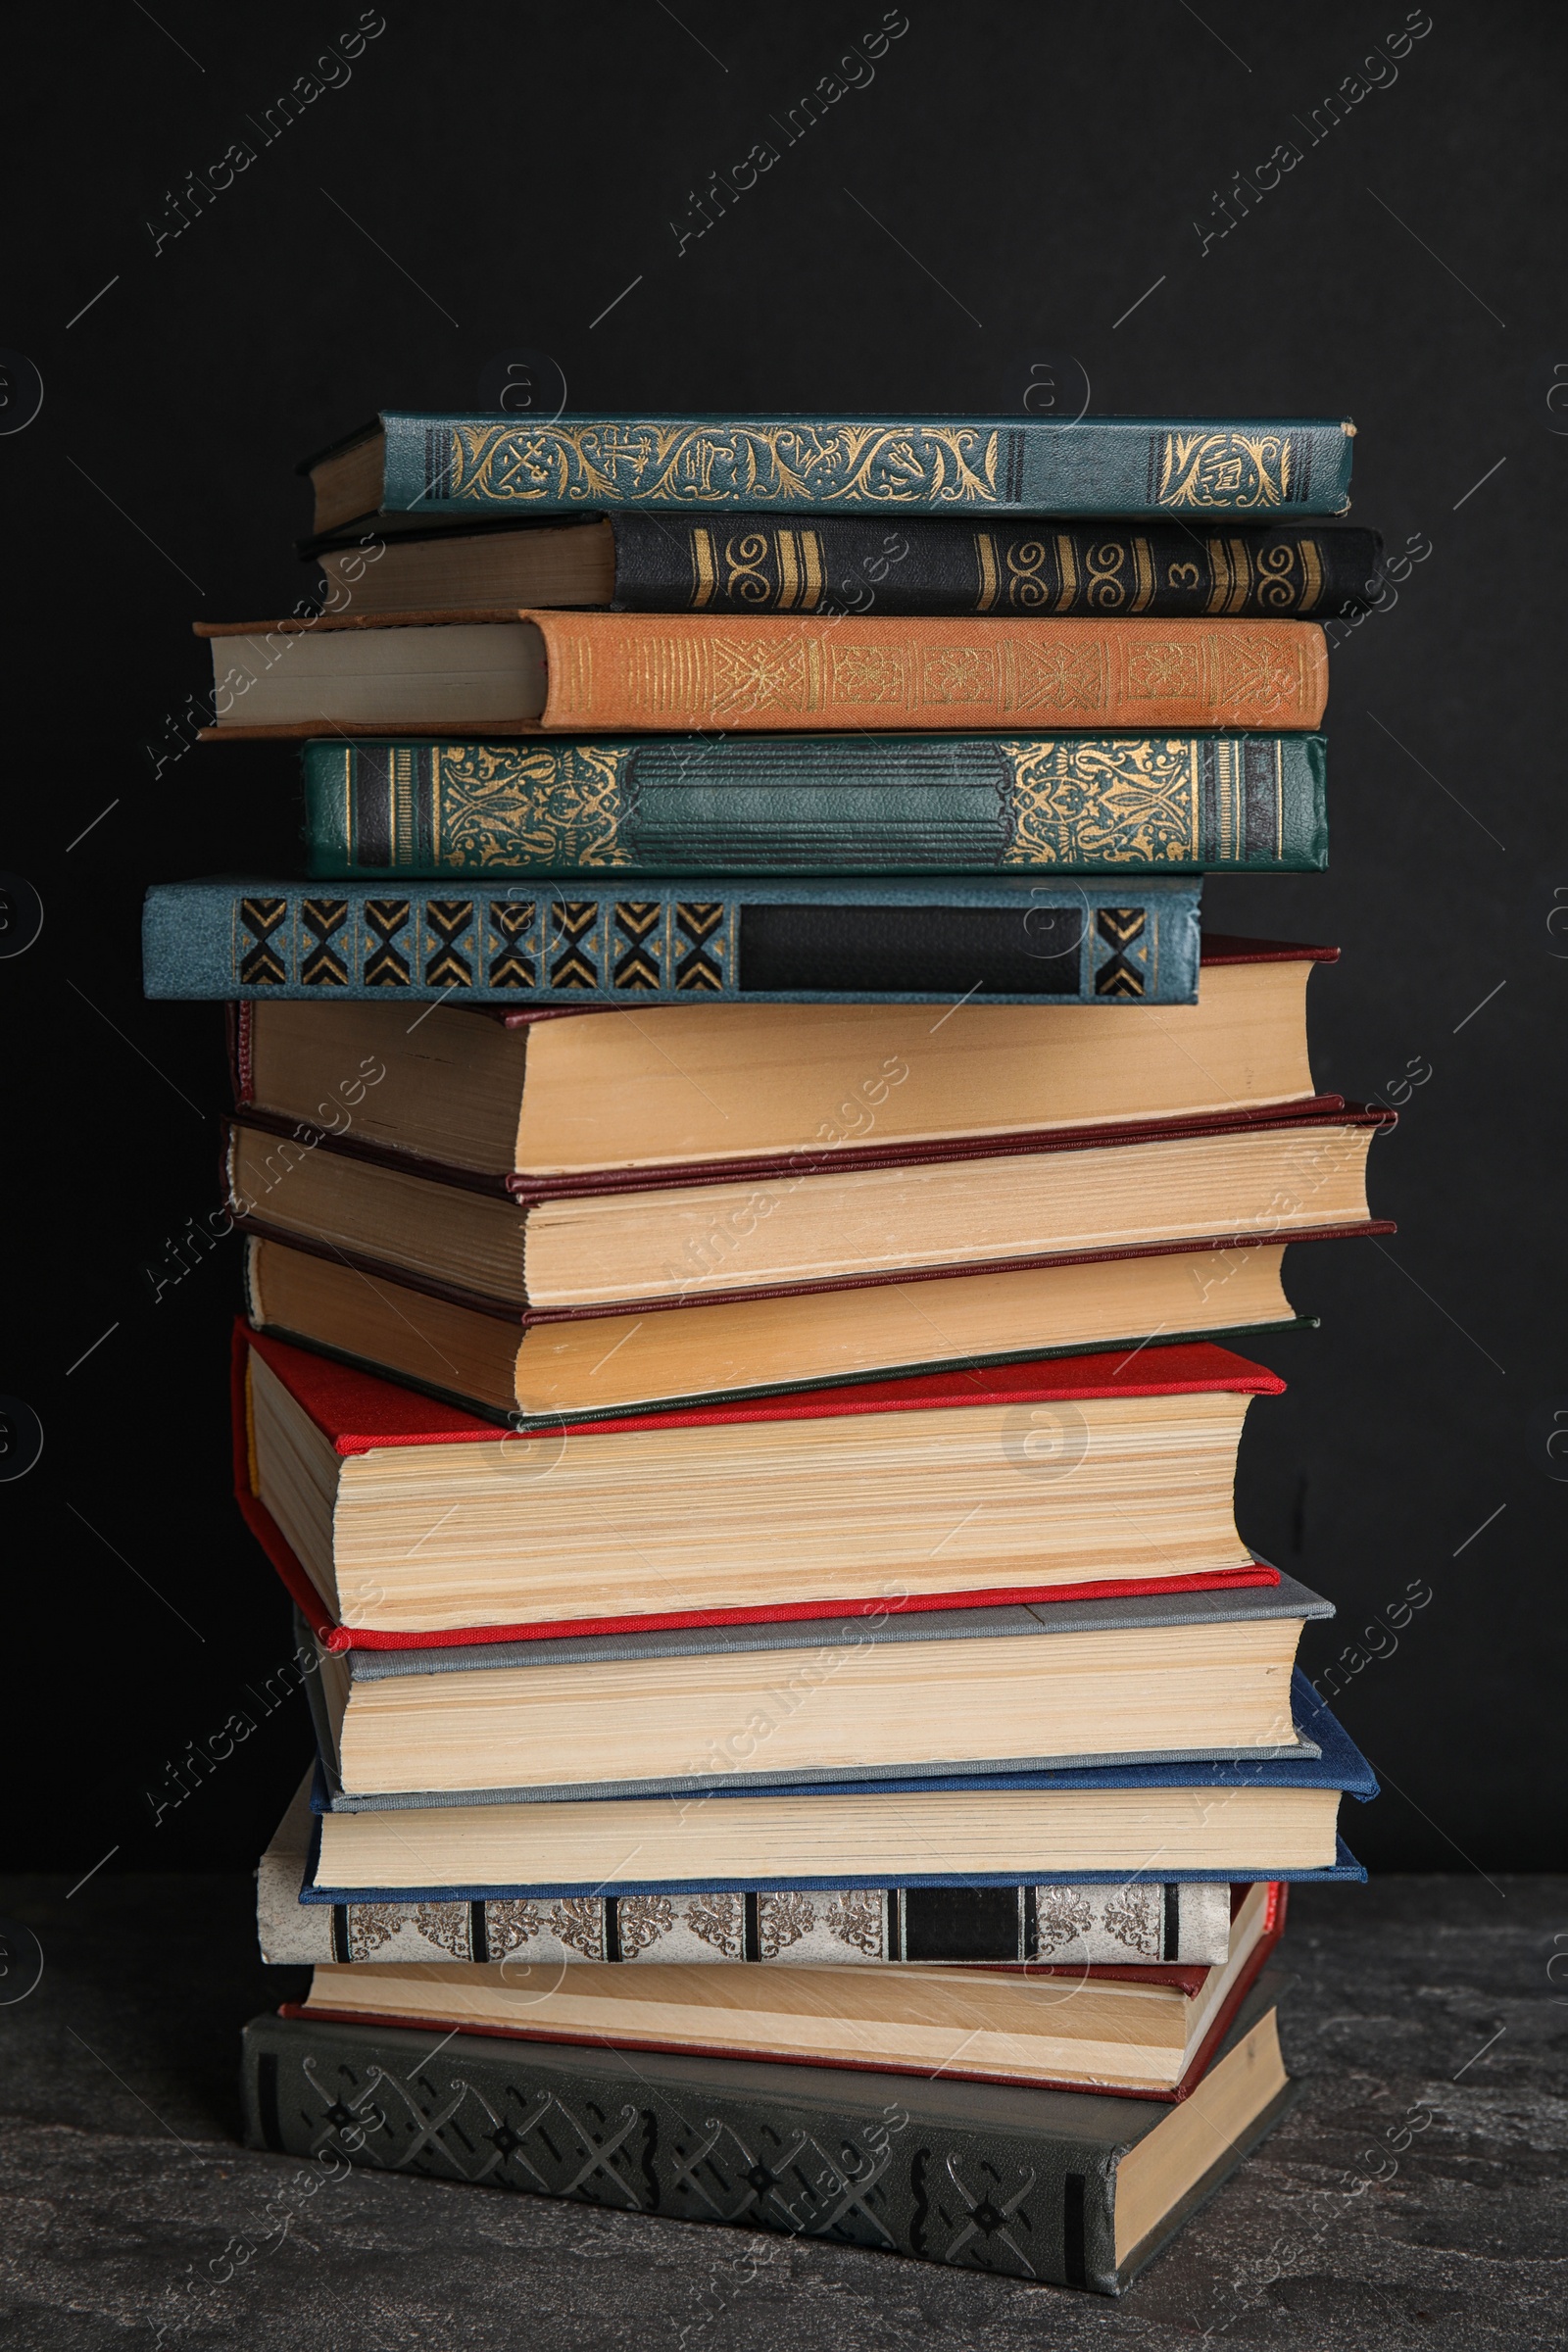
[(692, 804)]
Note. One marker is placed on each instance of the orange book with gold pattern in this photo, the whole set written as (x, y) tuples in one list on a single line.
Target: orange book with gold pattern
[(513, 671)]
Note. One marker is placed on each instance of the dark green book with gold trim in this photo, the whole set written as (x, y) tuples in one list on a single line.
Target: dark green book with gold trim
[(758, 805)]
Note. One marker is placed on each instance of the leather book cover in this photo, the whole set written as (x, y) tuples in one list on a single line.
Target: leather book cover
[(730, 563), (1015, 2183), (448, 466), (860, 940), (1215, 947), (857, 802)]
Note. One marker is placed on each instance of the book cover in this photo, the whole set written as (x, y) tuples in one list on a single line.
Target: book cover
[(1022, 2183), (856, 941), (819, 804), (1140, 1924), (1319, 1114), (359, 1413), (446, 466), (730, 563), (808, 1655), (916, 2023), (638, 1846), (1322, 1755), (606, 673)]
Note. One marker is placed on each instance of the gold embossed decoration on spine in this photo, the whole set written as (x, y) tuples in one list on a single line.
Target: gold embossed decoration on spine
[(554, 805), (796, 465), (1123, 802), (1236, 472)]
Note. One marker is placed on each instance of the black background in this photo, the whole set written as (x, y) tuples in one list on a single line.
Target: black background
[(1001, 193)]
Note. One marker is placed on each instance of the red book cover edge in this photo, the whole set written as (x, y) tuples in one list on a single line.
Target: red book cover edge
[(335, 1637), (358, 1412)]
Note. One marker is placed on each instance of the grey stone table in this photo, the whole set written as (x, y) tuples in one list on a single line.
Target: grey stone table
[(1415, 2197)]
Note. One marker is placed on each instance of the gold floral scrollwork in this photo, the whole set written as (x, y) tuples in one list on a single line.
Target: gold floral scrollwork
[(1117, 801), (1028, 586), (793, 466), (1162, 669), (1105, 570), (743, 575), (547, 806), (1279, 577), (1233, 470), (1259, 678), (752, 674)]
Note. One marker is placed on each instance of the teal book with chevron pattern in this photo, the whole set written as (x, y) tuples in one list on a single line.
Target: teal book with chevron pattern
[(667, 804), (857, 941), (490, 468)]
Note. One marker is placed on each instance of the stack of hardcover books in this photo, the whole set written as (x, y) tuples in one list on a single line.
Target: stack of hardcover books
[(760, 1202)]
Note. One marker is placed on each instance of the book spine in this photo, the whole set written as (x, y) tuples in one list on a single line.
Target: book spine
[(1139, 1925), (837, 564), (638, 2135), (850, 942), (867, 804), (610, 671), (1124, 466)]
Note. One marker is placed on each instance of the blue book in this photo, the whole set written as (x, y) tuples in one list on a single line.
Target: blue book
[(1010, 939), (491, 469), (1273, 1816)]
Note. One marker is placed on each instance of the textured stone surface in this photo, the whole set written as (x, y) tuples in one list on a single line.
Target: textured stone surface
[(1415, 2197)]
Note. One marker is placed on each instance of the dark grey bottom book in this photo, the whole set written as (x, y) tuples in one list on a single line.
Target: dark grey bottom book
[(1068, 2188)]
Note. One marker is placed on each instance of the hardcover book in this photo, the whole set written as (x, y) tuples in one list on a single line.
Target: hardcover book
[(1059, 2187), (1148, 1678), (1013, 940), (397, 1519), (1139, 2032), (1143, 1923), (730, 563), (592, 674), (1264, 1818), (527, 1300), (511, 1090), (819, 803), (441, 466)]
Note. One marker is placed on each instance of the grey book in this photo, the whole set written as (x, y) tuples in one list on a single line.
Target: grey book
[(1139, 1678)]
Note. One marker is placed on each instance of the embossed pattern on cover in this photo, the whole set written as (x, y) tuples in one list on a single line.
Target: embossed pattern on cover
[(804, 464), (610, 670), (794, 942), (898, 563), (812, 804)]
